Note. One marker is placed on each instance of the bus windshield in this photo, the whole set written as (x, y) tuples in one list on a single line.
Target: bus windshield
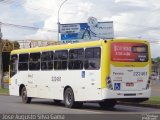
[(129, 52)]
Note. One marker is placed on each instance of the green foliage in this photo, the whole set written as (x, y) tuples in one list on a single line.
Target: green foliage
[(4, 91), (157, 59), (154, 100), (16, 45)]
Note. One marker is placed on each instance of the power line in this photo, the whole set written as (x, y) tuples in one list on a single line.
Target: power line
[(50, 10), (142, 26), (21, 3), (37, 10), (156, 41), (5, 1), (28, 27)]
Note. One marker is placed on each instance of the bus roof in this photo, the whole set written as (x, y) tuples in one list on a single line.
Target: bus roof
[(71, 46)]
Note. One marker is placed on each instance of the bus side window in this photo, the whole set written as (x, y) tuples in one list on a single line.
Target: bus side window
[(34, 61), (76, 57), (92, 58), (47, 60), (13, 65), (60, 59), (23, 62)]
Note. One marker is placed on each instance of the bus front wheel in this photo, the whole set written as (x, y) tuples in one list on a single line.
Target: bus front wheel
[(25, 98), (107, 104)]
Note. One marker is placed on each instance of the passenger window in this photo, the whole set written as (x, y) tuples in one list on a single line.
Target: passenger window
[(47, 60), (60, 60), (13, 65), (92, 58), (34, 61), (76, 57), (23, 62)]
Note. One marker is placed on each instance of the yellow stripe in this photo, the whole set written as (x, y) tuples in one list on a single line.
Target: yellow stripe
[(58, 47)]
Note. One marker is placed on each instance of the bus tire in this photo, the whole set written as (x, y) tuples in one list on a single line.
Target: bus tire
[(107, 104), (25, 98), (69, 98)]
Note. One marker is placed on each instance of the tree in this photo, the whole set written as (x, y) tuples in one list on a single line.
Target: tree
[(157, 59)]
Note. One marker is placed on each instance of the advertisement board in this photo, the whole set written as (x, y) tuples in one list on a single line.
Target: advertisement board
[(86, 31), (129, 52)]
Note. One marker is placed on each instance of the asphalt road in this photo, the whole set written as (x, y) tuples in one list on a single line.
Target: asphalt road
[(12, 104)]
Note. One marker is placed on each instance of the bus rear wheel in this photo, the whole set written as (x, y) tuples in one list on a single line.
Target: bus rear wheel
[(69, 99), (25, 98), (107, 104)]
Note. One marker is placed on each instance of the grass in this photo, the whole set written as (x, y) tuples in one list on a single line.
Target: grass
[(4, 91), (153, 100)]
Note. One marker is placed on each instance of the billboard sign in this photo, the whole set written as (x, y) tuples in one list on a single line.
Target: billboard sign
[(92, 30)]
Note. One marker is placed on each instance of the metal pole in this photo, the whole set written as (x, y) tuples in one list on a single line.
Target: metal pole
[(1, 68), (58, 22), (158, 71)]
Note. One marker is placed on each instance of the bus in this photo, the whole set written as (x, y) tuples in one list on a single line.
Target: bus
[(102, 71)]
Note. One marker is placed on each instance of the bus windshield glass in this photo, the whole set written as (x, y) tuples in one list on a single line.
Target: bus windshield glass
[(129, 52)]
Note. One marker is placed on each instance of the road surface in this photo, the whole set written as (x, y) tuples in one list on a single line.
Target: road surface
[(155, 88), (13, 105)]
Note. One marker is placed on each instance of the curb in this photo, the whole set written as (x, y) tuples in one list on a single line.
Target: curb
[(157, 106), (4, 94)]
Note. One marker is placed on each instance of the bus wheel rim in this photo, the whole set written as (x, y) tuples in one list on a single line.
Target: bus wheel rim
[(24, 95), (69, 98)]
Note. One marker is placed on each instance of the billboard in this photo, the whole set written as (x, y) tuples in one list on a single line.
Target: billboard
[(86, 31)]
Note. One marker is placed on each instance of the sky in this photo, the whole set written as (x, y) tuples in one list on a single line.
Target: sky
[(138, 19)]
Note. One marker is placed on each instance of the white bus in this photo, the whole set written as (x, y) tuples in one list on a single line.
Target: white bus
[(104, 71)]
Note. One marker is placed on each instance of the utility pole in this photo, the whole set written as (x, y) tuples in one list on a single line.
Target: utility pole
[(1, 68), (58, 22), (158, 77)]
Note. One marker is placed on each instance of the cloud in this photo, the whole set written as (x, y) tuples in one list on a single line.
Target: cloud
[(78, 12), (16, 13), (49, 8), (122, 12), (132, 18)]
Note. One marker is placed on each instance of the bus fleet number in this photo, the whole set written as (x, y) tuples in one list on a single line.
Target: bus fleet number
[(54, 78), (139, 73)]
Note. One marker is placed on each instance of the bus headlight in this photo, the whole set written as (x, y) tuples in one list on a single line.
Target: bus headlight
[(109, 83)]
